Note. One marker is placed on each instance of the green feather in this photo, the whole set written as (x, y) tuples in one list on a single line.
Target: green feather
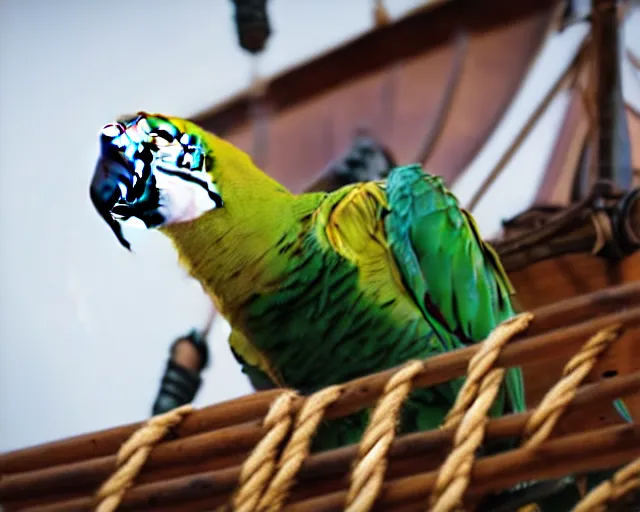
[(453, 275)]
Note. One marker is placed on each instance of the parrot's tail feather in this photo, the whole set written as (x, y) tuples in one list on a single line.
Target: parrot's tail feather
[(515, 389)]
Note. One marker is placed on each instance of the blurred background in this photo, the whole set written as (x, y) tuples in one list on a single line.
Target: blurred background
[(85, 325)]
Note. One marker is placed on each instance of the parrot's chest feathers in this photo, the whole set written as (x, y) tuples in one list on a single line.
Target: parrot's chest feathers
[(324, 326), (330, 320), (234, 257)]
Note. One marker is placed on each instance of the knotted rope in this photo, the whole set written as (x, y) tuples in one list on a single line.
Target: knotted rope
[(260, 466), (608, 492), (544, 418), (481, 363), (367, 475), (297, 448), (133, 454), (469, 415)]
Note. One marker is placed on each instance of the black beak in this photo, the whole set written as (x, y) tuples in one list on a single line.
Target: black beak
[(110, 172), (105, 192)]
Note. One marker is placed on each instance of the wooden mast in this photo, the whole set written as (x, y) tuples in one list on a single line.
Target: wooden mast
[(610, 150)]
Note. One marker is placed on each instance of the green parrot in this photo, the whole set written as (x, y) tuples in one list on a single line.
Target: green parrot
[(319, 288)]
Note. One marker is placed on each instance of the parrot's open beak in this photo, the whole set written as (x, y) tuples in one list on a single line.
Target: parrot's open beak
[(110, 176)]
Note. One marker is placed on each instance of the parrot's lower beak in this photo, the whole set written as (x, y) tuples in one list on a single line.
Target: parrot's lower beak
[(105, 192)]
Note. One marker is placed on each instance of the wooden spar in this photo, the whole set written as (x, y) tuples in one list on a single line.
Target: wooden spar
[(610, 150), (107, 442), (335, 464), (602, 449)]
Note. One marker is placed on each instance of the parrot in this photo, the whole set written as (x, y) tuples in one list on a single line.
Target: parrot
[(319, 288)]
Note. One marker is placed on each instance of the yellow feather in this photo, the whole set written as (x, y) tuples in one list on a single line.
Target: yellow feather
[(353, 227)]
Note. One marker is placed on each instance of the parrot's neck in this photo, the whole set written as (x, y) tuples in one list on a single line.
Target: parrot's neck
[(234, 250)]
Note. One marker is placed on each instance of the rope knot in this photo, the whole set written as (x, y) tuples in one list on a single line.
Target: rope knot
[(259, 467), (297, 449), (611, 491), (545, 417), (132, 455), (368, 472), (469, 415)]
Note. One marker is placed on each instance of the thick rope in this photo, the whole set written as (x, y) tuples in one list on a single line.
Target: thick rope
[(482, 362), (544, 418), (454, 475), (469, 414), (608, 492), (367, 475), (133, 454), (258, 469), (297, 448)]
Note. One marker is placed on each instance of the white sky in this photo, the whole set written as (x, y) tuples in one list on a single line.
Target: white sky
[(85, 326)]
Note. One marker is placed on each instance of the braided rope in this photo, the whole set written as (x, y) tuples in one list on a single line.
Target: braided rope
[(608, 492), (482, 362), (469, 415), (297, 448), (132, 455), (260, 466), (367, 475), (545, 417), (454, 475)]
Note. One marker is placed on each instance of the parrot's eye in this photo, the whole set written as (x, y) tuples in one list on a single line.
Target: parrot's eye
[(151, 174)]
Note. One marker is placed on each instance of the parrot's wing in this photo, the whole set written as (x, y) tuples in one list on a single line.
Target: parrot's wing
[(255, 365), (456, 279)]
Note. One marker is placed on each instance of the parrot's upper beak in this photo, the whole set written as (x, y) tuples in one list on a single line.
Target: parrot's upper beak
[(110, 176)]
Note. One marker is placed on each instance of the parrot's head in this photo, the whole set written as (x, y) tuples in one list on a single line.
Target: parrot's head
[(152, 171)]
